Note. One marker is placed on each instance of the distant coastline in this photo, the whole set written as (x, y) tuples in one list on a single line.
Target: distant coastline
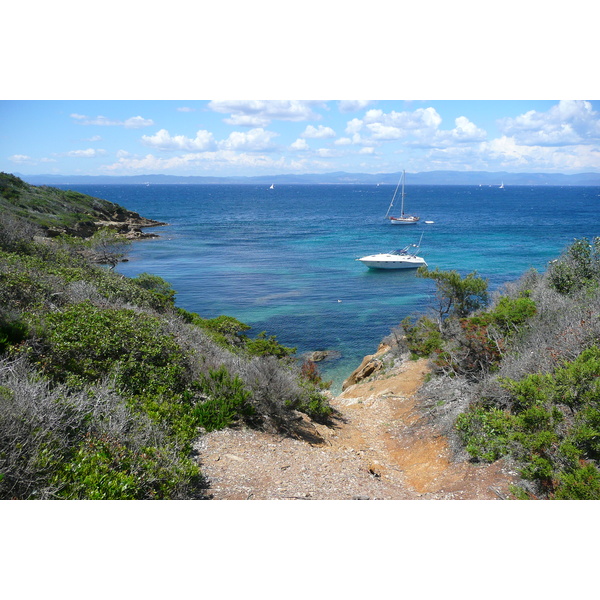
[(476, 178)]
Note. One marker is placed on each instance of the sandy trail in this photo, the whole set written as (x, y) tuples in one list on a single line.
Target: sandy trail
[(379, 447)]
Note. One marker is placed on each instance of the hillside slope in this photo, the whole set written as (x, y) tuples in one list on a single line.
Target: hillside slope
[(105, 384), (57, 211)]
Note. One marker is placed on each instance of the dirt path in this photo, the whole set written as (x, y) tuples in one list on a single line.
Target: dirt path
[(379, 447)]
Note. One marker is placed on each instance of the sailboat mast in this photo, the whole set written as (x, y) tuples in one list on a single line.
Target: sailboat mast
[(393, 198), (402, 207)]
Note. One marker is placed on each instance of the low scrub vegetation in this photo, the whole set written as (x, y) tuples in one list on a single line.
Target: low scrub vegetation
[(105, 384), (518, 378)]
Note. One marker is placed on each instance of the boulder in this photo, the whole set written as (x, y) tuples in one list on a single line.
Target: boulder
[(319, 355), (369, 365)]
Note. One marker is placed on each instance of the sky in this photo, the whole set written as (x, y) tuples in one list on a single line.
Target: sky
[(267, 137), (133, 89)]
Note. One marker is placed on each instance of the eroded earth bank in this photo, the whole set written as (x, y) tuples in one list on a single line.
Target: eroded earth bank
[(381, 445)]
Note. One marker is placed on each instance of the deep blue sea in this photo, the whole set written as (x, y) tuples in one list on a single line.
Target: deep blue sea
[(283, 260)]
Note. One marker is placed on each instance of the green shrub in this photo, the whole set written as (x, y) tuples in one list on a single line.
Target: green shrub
[(314, 404), (577, 268), (457, 296), (267, 346), (582, 483), (85, 343), (103, 468), (11, 332), (423, 337), (162, 289), (486, 433), (227, 400), (511, 313), (56, 442), (552, 427)]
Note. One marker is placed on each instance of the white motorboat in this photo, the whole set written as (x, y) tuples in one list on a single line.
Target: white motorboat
[(402, 219), (405, 258)]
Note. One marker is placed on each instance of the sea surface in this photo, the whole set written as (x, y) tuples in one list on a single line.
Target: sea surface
[(283, 260)]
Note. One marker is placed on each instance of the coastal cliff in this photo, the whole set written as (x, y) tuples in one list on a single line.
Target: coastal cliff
[(54, 211)]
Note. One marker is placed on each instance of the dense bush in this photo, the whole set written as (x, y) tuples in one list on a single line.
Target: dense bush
[(578, 268), (552, 428), (466, 340), (526, 371), (456, 295), (56, 442), (422, 336), (227, 400)]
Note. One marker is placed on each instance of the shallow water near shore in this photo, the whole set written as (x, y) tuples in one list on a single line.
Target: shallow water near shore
[(283, 260)]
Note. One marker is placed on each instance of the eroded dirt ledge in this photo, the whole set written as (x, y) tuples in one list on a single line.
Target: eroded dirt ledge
[(380, 447)]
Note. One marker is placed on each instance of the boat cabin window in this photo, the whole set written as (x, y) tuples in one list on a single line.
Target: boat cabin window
[(404, 250)]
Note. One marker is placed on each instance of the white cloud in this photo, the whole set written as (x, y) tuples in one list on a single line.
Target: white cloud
[(137, 123), (344, 141), (163, 140), (511, 154), (422, 118), (89, 153), (367, 150), (23, 159), (318, 132), (465, 132), (379, 131), (253, 140), (102, 121), (568, 122), (327, 153), (299, 144), (195, 161), (262, 112), (247, 120), (347, 106), (20, 158), (353, 126), (185, 109)]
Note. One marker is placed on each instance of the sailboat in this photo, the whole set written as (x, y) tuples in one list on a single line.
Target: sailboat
[(502, 185), (272, 187), (402, 219)]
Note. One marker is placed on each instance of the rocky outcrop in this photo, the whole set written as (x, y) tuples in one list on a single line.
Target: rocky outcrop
[(320, 355), (128, 224), (370, 365), (132, 227)]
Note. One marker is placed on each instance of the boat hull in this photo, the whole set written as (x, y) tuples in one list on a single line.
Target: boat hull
[(390, 261), (398, 221)]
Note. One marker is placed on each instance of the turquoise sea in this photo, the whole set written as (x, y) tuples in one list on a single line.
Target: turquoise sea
[(283, 260)]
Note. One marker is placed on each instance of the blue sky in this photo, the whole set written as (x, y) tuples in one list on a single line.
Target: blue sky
[(104, 92), (255, 137)]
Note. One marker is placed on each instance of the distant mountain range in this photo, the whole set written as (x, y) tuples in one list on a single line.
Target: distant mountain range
[(425, 178)]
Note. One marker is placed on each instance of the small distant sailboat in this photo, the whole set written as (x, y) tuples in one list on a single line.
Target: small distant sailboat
[(402, 219), (502, 185), (272, 187)]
